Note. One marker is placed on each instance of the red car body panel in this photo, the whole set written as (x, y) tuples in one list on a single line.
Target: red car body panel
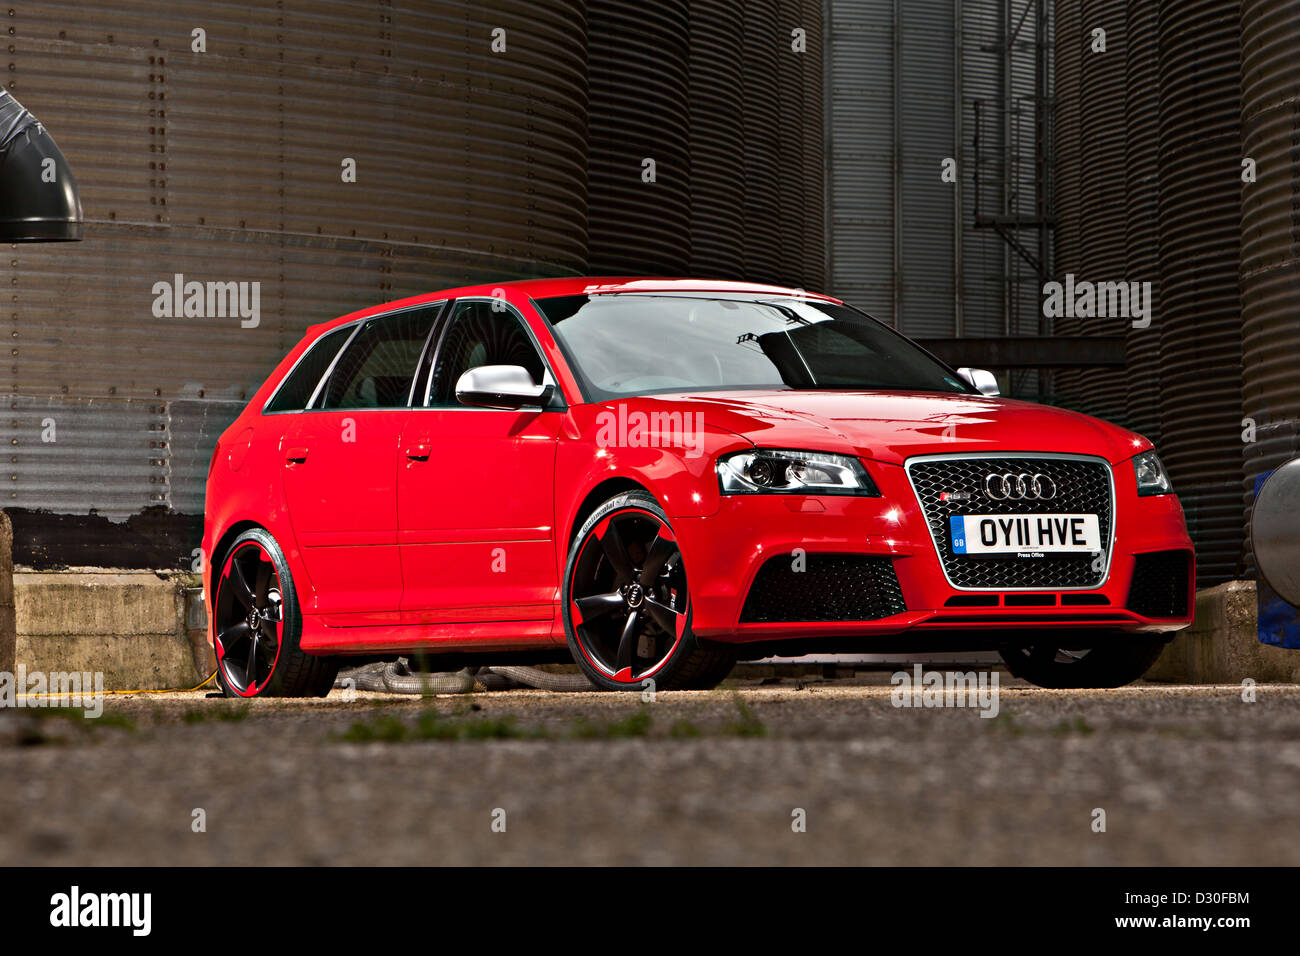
[(449, 528)]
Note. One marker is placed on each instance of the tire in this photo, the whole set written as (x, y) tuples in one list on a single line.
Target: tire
[(254, 575), (1119, 661), (624, 566)]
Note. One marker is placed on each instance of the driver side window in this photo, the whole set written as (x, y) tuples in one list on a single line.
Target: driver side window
[(479, 334)]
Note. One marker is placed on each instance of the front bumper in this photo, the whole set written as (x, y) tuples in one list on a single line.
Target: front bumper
[(724, 553)]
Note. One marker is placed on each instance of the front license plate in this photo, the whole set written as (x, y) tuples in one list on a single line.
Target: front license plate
[(1025, 535)]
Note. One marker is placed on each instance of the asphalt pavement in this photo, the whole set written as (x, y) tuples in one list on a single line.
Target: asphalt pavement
[(792, 771)]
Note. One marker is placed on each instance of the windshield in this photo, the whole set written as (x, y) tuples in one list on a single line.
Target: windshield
[(626, 344)]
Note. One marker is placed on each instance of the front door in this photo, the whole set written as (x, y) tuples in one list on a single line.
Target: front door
[(475, 486)]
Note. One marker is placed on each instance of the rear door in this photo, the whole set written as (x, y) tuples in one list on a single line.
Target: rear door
[(475, 486), (339, 463)]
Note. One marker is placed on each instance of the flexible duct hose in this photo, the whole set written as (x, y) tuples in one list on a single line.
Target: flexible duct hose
[(369, 677), (543, 680), (397, 677), (400, 679)]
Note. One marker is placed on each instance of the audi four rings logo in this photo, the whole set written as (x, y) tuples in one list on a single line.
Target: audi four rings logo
[(1022, 487)]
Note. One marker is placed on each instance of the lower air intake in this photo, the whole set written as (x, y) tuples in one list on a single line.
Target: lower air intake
[(823, 587), (1160, 584)]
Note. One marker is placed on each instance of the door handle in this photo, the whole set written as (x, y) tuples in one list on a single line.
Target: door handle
[(417, 452), (295, 456)]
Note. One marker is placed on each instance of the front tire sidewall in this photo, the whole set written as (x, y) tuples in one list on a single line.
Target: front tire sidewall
[(663, 678), (1107, 666)]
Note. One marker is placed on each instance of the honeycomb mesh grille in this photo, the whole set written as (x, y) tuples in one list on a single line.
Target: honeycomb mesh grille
[(1159, 587), (1083, 487), (830, 587)]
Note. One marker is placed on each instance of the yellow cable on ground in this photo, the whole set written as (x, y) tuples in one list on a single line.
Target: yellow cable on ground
[(165, 690)]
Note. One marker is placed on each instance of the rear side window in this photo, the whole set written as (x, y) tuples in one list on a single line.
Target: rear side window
[(299, 385), (376, 369)]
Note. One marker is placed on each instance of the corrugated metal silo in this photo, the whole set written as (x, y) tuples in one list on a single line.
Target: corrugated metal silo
[(639, 62), (717, 138), (225, 165), (1199, 240), (1270, 225), (813, 147), (860, 190), (1141, 220), (1102, 212), (757, 143), (1068, 201), (788, 172), (906, 81), (764, 43), (925, 123)]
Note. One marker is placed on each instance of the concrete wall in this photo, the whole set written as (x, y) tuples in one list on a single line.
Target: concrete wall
[(143, 630), (1222, 647)]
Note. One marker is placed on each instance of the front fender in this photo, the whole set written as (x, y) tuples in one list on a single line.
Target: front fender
[(672, 458)]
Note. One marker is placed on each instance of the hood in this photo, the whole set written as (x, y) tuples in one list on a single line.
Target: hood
[(892, 426)]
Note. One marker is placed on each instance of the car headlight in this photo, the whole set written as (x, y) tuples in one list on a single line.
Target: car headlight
[(1152, 479), (764, 471)]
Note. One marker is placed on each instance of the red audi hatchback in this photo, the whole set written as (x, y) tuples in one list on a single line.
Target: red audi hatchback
[(665, 476)]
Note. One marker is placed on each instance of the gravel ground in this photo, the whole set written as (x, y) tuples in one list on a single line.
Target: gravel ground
[(1185, 775)]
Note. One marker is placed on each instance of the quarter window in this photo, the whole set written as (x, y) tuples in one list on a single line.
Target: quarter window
[(300, 384)]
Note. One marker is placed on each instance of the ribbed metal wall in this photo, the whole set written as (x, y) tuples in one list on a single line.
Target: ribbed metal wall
[(764, 44), (473, 164), (812, 144), (1147, 152), (1001, 293), (801, 148), (927, 100), (1102, 190), (905, 79), (1141, 215), (1067, 191), (1199, 241), (860, 214), (226, 166), (639, 61), (757, 182), (716, 131), (1270, 225)]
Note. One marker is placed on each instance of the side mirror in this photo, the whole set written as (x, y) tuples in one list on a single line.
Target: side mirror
[(981, 380), (501, 386)]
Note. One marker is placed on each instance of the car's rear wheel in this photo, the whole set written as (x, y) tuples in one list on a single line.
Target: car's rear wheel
[(626, 604), (1118, 661), (257, 625)]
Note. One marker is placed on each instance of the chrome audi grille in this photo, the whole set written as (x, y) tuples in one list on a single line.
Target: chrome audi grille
[(1083, 486)]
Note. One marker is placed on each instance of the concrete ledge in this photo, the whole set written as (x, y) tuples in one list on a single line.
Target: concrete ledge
[(1222, 646), (8, 634), (146, 630), (135, 627)]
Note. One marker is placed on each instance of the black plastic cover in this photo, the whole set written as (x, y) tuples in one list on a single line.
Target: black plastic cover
[(39, 201)]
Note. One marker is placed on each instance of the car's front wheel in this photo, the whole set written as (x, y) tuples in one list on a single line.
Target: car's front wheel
[(1116, 661), (627, 607), (256, 625)]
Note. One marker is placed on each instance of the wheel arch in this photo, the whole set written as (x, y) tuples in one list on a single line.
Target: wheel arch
[(222, 547), (597, 496), (213, 565)]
